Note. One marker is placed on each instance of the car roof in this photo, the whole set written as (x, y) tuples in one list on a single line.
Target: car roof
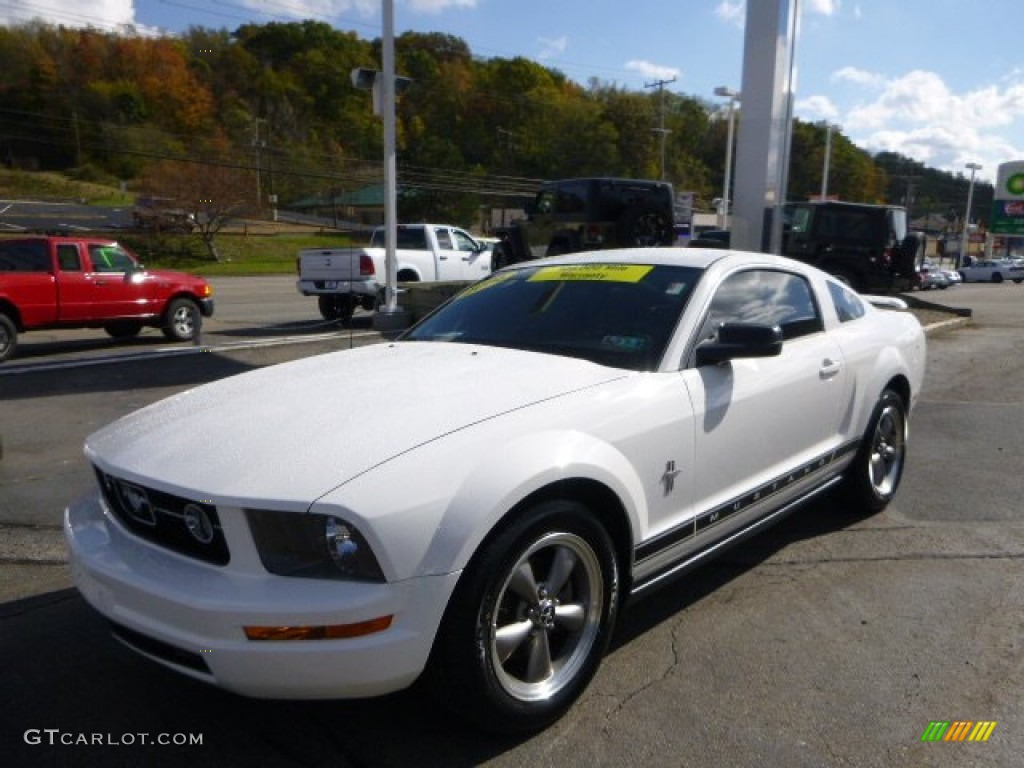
[(699, 258)]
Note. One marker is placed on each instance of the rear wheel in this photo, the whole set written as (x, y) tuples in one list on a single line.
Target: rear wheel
[(336, 307), (182, 320), (529, 621), (871, 480), (123, 329), (8, 337)]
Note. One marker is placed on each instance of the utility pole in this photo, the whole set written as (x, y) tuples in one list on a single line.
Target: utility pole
[(258, 145), (660, 85)]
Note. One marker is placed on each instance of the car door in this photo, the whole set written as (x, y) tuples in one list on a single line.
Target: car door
[(449, 258), (474, 260), (112, 291), (766, 427)]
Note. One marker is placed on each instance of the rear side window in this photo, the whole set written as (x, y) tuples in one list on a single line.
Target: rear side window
[(24, 256), (848, 305)]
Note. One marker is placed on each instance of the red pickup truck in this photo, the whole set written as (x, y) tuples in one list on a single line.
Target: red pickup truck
[(80, 282)]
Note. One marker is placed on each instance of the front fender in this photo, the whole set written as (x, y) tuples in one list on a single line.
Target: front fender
[(427, 512)]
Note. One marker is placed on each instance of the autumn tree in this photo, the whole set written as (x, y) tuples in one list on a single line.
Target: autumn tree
[(214, 187)]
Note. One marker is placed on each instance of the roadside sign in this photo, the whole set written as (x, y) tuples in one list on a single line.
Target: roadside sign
[(1008, 201)]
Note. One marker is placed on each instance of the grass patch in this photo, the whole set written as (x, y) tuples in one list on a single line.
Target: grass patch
[(49, 186), (241, 254)]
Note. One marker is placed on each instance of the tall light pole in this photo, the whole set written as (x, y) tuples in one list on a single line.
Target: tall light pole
[(828, 156), (723, 209), (967, 217), (661, 129)]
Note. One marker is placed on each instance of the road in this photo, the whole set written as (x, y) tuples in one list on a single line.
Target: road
[(828, 641)]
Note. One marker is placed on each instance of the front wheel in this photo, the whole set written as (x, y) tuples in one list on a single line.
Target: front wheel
[(871, 480), (182, 320), (529, 621), (997, 277), (8, 338)]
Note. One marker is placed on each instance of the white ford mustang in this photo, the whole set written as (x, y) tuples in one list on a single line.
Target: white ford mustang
[(477, 500)]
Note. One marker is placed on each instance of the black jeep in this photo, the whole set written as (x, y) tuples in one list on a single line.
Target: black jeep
[(866, 246), (589, 214)]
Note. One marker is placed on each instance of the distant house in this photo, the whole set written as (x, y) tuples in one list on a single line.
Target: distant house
[(364, 206)]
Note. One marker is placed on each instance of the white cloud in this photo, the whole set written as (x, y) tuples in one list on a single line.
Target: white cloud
[(733, 11), (858, 77), (437, 6), (654, 71), (102, 14), (552, 47), (823, 7), (918, 115), (817, 108)]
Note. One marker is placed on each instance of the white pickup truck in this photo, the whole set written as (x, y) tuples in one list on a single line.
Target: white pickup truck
[(346, 278)]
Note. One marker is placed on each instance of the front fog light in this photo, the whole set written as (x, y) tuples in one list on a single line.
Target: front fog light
[(312, 546)]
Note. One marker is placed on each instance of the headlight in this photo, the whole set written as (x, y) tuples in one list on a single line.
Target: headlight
[(312, 546)]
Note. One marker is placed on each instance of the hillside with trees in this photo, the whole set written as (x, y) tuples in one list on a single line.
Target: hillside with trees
[(225, 119)]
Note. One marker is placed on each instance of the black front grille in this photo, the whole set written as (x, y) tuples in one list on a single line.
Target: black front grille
[(185, 526), (159, 649)]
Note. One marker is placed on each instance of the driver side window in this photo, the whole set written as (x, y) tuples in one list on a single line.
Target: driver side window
[(764, 296)]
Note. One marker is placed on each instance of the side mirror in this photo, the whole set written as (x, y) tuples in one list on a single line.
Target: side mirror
[(739, 340)]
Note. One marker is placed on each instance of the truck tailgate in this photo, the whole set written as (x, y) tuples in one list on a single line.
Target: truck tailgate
[(329, 264)]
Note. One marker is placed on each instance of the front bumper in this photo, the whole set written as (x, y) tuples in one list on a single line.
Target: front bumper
[(206, 307), (189, 615)]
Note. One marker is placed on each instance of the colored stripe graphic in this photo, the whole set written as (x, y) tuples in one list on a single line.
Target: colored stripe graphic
[(958, 730)]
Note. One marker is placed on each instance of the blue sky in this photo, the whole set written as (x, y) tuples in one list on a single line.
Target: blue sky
[(941, 81)]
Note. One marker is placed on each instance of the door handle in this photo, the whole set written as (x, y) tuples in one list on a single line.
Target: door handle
[(829, 368)]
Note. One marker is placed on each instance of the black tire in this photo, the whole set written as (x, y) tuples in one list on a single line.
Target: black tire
[(963, 276), (500, 256), (512, 654), (997, 277), (336, 307), (874, 476), (182, 320), (123, 329), (1018, 280), (646, 227), (8, 337)]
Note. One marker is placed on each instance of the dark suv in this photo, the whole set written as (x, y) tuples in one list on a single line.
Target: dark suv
[(866, 246), (589, 214)]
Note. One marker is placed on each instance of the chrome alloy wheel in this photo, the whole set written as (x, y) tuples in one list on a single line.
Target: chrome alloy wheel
[(547, 617), (888, 449), (183, 321)]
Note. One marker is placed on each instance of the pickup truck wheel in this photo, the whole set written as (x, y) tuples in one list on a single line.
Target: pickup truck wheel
[(529, 621), (123, 329), (336, 308), (997, 277), (8, 338), (182, 320)]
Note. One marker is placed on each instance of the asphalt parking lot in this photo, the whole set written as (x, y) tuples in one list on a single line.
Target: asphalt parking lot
[(827, 641)]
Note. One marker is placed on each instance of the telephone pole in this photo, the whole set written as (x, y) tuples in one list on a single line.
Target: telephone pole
[(661, 129)]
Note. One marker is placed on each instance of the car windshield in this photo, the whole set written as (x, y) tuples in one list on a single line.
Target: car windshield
[(620, 315)]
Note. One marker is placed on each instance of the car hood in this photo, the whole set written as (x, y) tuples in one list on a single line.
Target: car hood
[(291, 432)]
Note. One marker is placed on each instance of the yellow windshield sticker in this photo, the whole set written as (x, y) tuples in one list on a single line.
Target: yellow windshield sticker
[(608, 273)]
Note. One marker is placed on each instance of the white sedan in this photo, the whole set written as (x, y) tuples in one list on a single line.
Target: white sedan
[(476, 501), (992, 271)]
